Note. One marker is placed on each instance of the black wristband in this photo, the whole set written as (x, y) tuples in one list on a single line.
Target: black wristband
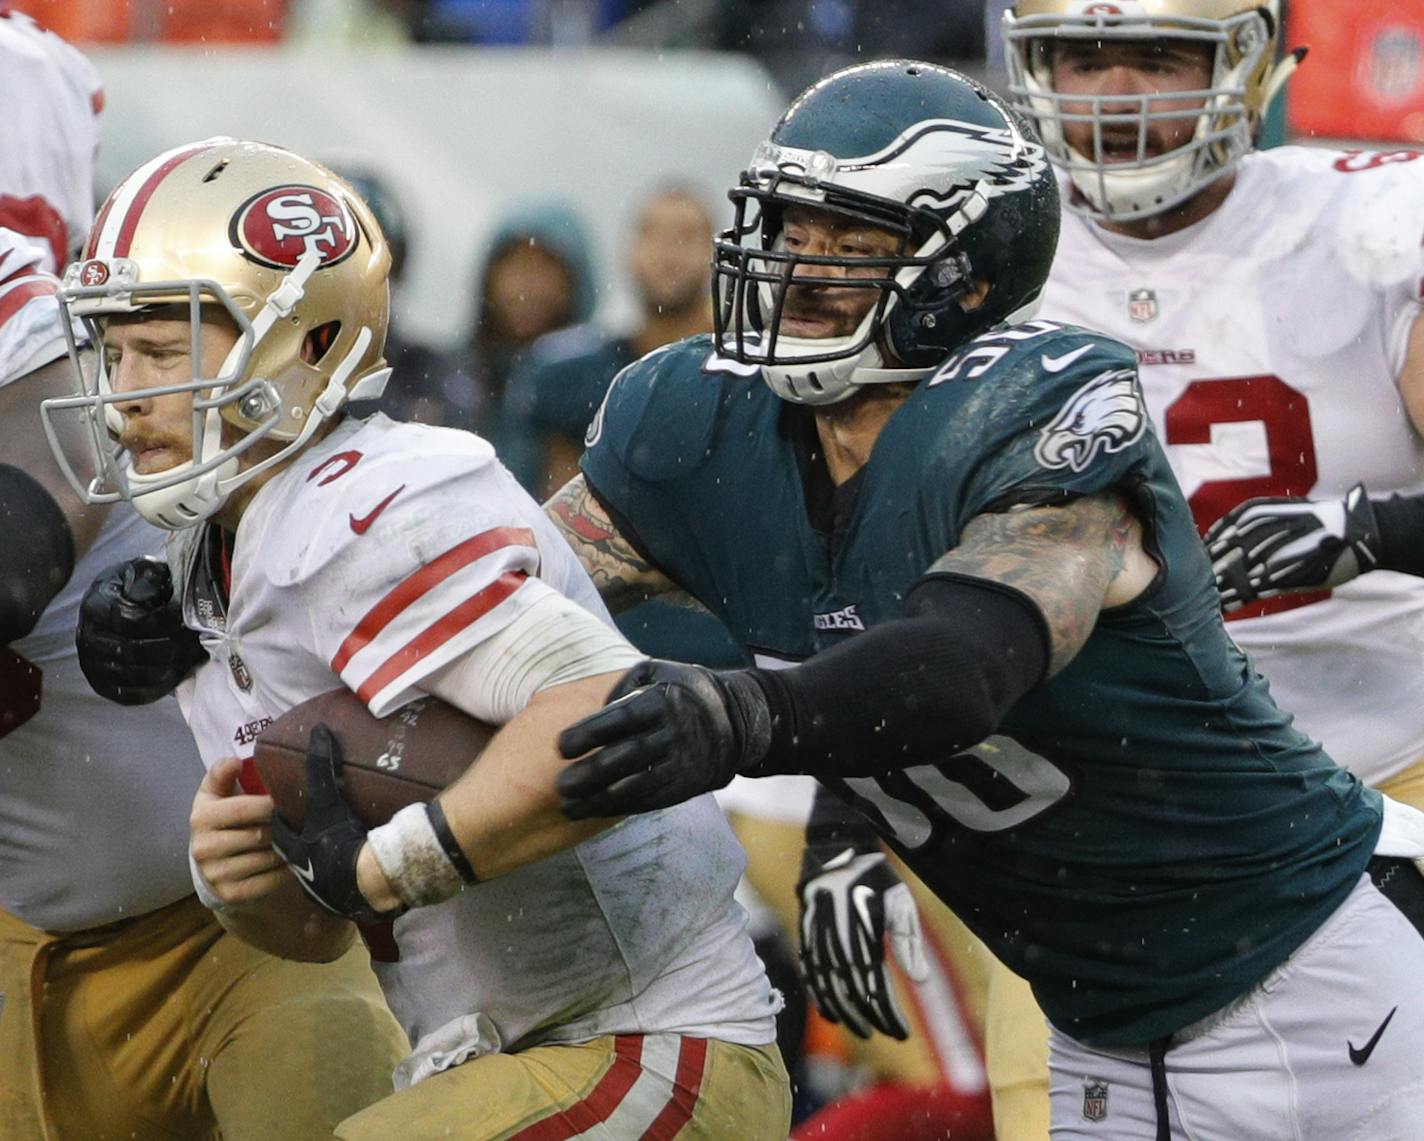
[(448, 843), (1399, 531)]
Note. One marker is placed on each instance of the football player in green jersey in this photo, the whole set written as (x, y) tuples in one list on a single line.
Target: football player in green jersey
[(1011, 660)]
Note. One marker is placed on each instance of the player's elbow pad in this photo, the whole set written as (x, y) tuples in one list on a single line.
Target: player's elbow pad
[(911, 691), (36, 552)]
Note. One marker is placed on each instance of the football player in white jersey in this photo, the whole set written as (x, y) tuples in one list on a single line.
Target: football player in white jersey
[(1273, 298), (48, 135), (591, 980), (125, 1009)]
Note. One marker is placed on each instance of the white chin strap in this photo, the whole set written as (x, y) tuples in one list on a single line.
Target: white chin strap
[(185, 502), (1137, 192), (830, 382)]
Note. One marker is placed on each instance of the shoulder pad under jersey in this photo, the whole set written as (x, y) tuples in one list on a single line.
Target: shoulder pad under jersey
[(1044, 406), (660, 413)]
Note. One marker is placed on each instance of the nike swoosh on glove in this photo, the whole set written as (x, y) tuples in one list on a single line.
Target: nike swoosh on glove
[(1270, 546), (323, 854), (850, 905)]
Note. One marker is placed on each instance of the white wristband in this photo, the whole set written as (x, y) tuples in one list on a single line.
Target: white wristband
[(410, 854)]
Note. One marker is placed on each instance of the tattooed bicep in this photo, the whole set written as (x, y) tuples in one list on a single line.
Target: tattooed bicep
[(1066, 558), (623, 577)]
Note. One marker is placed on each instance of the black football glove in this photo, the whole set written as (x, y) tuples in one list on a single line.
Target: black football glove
[(850, 901), (133, 646), (323, 854), (668, 732), (1265, 547)]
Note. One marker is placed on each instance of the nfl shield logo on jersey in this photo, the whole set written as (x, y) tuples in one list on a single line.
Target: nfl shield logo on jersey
[(1142, 305), (1095, 1101), (239, 672)]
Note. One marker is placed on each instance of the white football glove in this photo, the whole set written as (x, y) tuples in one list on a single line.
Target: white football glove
[(850, 904), (1266, 547)]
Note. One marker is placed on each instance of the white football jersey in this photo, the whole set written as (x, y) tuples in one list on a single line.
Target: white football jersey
[(381, 554), (94, 797), (30, 331), (1269, 337), (49, 133)]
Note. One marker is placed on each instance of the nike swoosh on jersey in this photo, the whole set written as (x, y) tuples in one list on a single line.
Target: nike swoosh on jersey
[(361, 526), (1362, 1055), (1058, 364)]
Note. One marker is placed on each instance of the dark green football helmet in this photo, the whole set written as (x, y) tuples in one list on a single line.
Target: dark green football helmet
[(924, 153)]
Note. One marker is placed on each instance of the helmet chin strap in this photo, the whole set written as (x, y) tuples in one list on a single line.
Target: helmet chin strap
[(830, 382)]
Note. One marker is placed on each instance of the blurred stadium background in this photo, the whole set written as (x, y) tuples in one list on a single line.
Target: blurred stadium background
[(472, 108)]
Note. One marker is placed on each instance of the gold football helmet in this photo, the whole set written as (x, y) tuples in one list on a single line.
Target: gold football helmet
[(289, 252), (1245, 76)]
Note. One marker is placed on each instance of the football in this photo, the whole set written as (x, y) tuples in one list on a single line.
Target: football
[(387, 762)]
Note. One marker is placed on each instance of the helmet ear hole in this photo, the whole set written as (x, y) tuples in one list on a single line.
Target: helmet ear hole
[(319, 341)]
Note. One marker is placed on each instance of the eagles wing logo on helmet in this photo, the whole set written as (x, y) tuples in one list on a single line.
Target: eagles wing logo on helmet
[(937, 151), (276, 227), (1105, 415)]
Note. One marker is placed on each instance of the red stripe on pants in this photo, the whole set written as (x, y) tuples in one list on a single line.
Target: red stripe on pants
[(599, 1105), (691, 1062)]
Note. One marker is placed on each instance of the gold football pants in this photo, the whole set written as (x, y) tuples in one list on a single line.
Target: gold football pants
[(628, 1087), (165, 1026)]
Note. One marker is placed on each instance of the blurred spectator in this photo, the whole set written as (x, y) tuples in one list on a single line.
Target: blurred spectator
[(410, 394), (552, 398), (801, 40), (172, 21), (536, 278)]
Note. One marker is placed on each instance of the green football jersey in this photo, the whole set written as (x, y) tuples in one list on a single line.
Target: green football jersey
[(1147, 835)]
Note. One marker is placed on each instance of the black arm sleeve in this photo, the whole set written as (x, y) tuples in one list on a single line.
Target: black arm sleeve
[(909, 691), (1399, 523), (36, 553)]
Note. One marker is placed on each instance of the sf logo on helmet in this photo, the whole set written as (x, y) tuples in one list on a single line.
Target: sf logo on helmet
[(275, 228)]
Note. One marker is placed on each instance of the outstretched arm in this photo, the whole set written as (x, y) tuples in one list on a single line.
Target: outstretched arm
[(1012, 604)]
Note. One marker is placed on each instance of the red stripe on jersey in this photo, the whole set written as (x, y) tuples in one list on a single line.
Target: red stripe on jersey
[(691, 1061), (599, 1105), (424, 580), (145, 192), (436, 635), (11, 302)]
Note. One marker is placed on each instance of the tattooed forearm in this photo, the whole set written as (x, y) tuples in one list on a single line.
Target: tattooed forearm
[(1067, 559), (621, 575)]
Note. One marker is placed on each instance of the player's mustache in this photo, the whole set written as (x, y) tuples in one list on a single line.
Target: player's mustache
[(809, 303), (140, 441)]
